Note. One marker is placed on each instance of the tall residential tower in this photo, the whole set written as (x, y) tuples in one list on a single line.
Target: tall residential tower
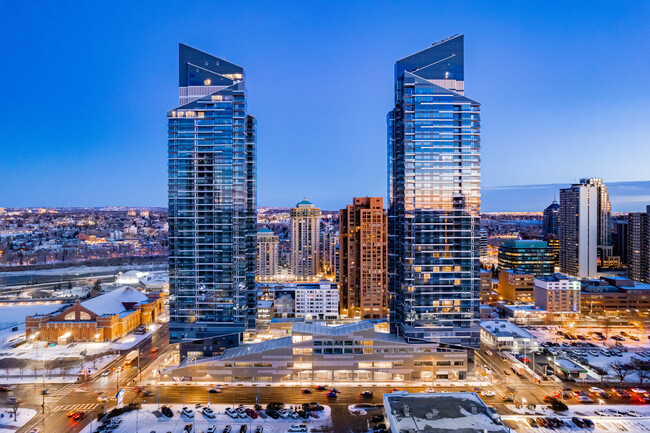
[(434, 191), (578, 230), (268, 255), (212, 209), (305, 238), (603, 210)]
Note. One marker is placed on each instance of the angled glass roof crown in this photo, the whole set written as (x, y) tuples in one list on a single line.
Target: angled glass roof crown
[(444, 60), (195, 66)]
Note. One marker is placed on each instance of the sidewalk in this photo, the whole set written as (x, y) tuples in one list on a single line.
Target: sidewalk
[(442, 384)]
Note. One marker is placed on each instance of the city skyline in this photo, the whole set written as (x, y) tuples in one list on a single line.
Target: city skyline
[(132, 164)]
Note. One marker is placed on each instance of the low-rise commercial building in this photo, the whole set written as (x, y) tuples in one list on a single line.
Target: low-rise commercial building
[(326, 354), (567, 368), (104, 318), (440, 413), (502, 334), (516, 285), (617, 296)]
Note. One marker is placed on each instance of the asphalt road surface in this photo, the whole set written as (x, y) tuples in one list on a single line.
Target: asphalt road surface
[(84, 395)]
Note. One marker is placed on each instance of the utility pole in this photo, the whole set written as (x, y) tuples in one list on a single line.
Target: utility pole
[(43, 390)]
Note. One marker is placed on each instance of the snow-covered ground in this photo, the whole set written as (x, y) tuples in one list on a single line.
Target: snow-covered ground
[(82, 270), (38, 351), (147, 421), (7, 422), (14, 313)]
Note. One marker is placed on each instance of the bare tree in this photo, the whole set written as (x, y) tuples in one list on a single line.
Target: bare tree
[(621, 371), (14, 404), (642, 369)]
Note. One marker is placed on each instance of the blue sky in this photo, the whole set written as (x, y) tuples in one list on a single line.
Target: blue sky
[(86, 85)]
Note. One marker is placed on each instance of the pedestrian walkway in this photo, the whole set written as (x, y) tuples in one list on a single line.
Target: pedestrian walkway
[(75, 407)]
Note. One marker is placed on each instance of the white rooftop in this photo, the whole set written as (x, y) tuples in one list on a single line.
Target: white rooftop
[(505, 328), (113, 301), (439, 413)]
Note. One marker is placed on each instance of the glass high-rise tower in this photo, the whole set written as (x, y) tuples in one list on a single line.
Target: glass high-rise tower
[(212, 208), (434, 192)]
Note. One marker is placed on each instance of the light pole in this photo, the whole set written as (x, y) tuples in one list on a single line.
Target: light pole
[(43, 390)]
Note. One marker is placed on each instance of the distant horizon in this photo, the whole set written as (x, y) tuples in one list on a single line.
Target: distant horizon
[(625, 197)]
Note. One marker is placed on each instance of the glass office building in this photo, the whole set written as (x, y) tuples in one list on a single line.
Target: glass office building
[(212, 209), (434, 191), (531, 256)]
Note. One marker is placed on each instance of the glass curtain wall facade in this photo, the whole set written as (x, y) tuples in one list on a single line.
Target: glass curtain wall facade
[(212, 201), (434, 191)]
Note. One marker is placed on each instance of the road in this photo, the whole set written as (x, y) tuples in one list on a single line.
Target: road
[(82, 396)]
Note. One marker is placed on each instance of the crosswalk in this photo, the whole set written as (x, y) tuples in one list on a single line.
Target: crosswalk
[(71, 407)]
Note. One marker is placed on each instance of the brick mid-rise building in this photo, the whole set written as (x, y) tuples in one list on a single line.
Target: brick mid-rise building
[(104, 318), (363, 259)]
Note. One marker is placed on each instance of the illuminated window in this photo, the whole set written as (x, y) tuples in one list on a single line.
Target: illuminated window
[(207, 82)]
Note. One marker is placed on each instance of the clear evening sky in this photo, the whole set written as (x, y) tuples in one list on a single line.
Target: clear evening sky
[(85, 87)]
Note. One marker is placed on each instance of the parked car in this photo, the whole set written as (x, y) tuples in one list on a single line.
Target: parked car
[(188, 428), (298, 428), (212, 429), (243, 428), (232, 413), (227, 429), (588, 423), (259, 429), (209, 413), (578, 422), (166, 411), (187, 412)]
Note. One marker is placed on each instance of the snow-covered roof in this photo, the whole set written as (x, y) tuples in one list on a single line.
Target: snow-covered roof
[(505, 328), (113, 301), (311, 328), (438, 413), (248, 349)]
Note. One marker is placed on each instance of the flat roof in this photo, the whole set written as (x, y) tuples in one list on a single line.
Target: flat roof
[(461, 412), (504, 328)]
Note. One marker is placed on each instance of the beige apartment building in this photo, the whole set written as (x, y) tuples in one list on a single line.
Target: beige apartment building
[(305, 237), (558, 293)]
